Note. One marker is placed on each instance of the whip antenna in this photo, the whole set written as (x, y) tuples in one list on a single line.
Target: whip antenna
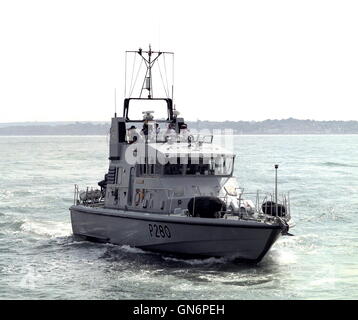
[(115, 102)]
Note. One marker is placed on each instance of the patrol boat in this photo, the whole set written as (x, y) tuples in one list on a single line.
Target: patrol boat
[(169, 190)]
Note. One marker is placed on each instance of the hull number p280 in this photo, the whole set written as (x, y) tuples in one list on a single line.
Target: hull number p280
[(159, 231)]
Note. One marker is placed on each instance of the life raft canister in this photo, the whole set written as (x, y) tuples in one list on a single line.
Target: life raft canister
[(273, 209), (206, 207)]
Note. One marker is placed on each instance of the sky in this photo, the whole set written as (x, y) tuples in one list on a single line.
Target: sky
[(234, 60)]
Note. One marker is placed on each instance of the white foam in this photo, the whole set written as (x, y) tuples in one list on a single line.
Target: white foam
[(193, 262), (132, 249), (47, 228), (284, 256)]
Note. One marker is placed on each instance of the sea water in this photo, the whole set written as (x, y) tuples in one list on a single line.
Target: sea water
[(39, 258)]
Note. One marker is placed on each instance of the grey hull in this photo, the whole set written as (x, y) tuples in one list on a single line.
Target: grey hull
[(244, 240)]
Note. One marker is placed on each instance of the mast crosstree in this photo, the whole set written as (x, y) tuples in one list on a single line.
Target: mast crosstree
[(150, 58)]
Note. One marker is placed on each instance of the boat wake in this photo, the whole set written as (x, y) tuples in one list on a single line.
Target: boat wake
[(329, 214)]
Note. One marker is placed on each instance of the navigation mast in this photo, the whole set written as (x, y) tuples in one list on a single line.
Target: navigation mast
[(149, 57)]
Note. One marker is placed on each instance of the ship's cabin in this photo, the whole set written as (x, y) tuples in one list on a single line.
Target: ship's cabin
[(170, 163)]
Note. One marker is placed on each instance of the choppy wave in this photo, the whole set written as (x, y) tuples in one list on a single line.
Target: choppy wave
[(11, 226), (5, 195), (237, 279), (338, 164)]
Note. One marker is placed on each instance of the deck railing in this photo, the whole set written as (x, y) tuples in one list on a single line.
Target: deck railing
[(258, 198), (194, 138)]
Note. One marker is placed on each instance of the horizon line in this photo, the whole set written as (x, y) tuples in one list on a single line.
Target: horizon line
[(197, 120)]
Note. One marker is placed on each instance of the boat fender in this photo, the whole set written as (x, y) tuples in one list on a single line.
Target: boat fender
[(145, 204), (137, 198), (147, 200), (151, 202), (162, 206)]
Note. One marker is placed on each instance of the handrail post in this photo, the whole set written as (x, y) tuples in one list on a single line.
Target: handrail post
[(170, 203), (197, 191), (276, 167), (194, 206), (74, 196)]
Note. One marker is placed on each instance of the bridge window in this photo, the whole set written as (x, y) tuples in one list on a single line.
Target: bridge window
[(218, 166)]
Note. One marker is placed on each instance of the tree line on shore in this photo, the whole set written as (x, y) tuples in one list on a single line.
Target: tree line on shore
[(284, 126)]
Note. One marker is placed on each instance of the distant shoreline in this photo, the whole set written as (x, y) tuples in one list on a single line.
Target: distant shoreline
[(267, 127)]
